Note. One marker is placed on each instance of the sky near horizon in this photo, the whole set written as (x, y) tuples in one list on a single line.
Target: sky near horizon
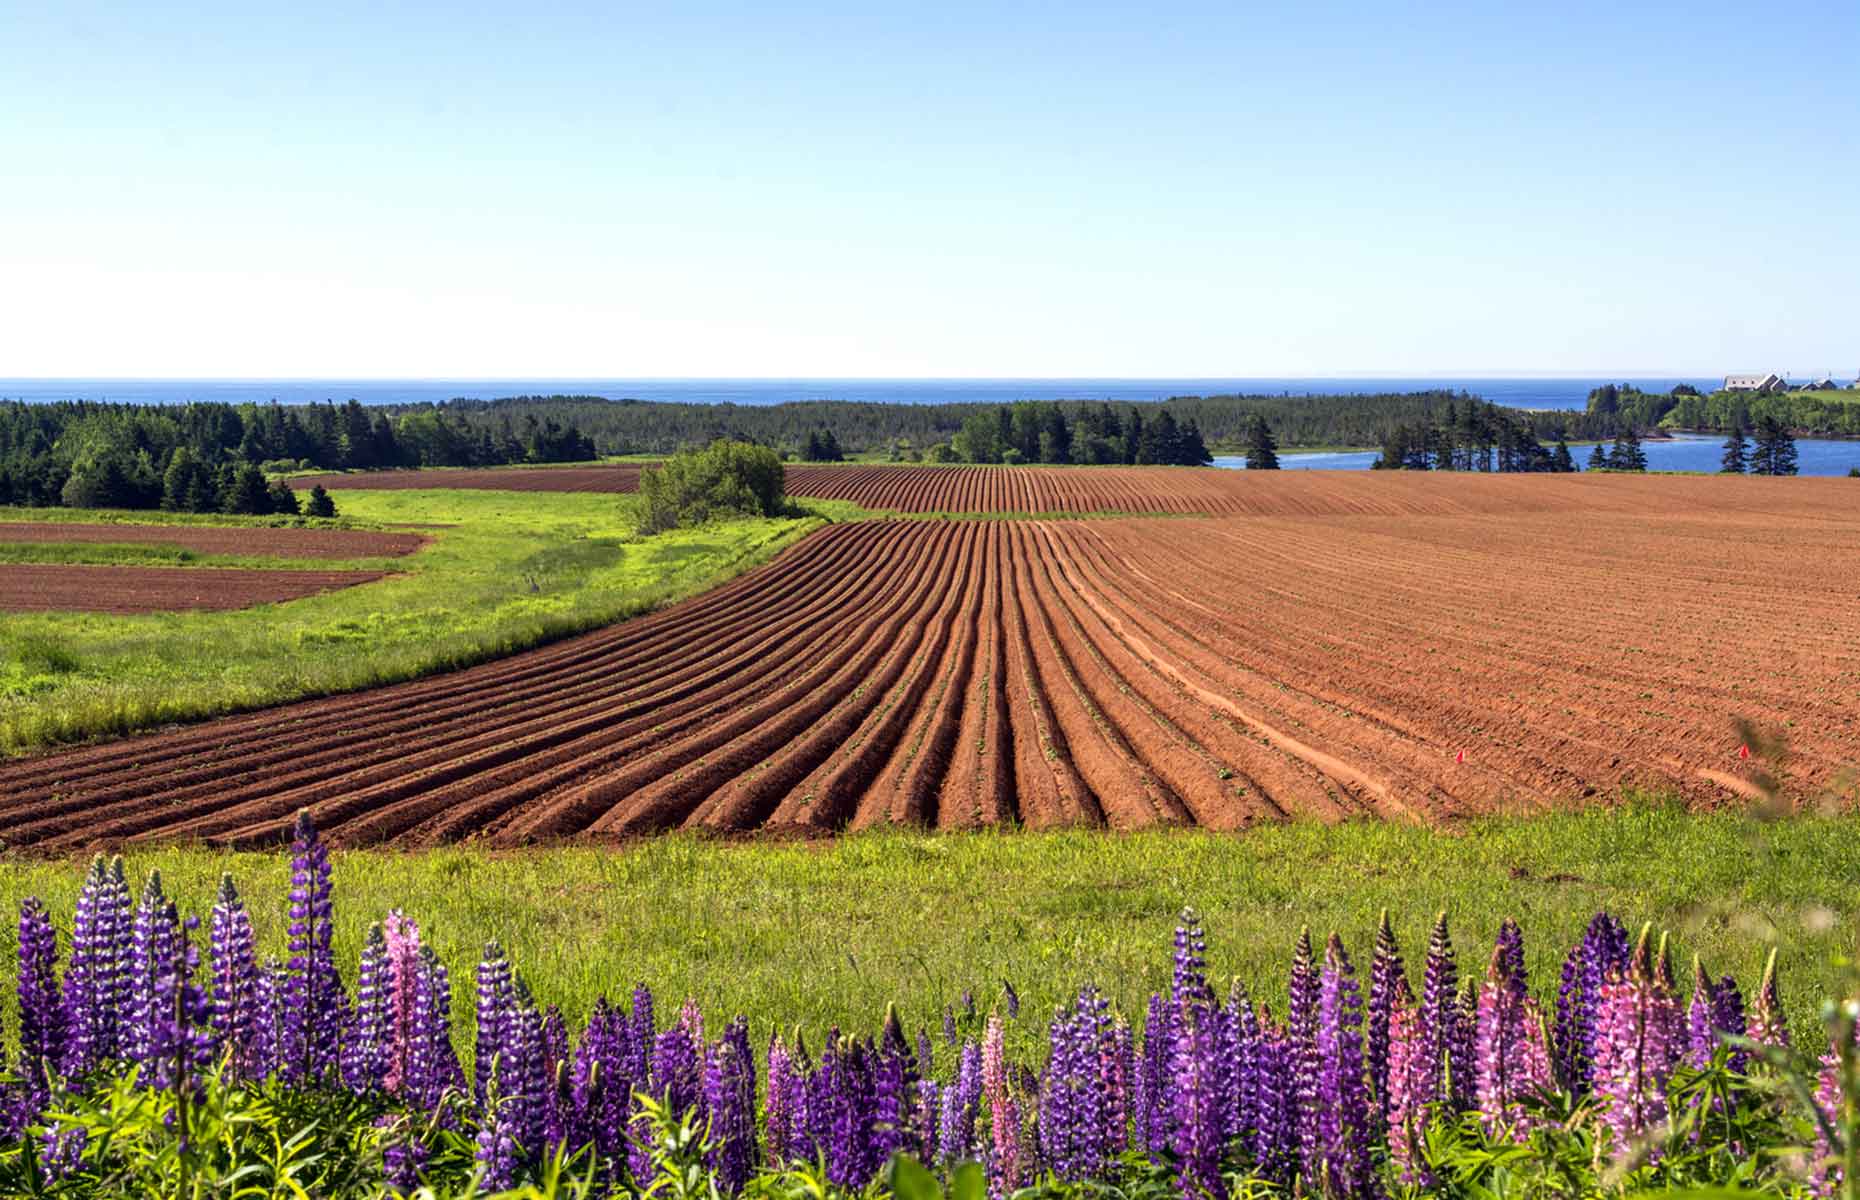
[(948, 189)]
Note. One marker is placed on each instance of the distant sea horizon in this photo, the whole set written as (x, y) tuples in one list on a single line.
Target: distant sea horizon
[(1520, 391)]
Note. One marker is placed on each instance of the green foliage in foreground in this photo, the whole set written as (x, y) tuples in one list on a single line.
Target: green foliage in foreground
[(828, 933), (510, 571)]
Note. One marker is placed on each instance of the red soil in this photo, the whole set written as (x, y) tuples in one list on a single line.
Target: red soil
[(1565, 636), (222, 539), (48, 587)]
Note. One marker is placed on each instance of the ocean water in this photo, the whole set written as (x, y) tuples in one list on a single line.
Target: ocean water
[(1685, 452), (1515, 391)]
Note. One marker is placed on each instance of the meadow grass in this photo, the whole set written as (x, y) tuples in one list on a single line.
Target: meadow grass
[(513, 570), (827, 933)]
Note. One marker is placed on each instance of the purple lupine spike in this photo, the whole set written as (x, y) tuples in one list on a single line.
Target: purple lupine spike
[(1243, 1024), (62, 1150), (1639, 1039), (1070, 1118), (269, 1032), (1339, 1154), (730, 1098), (1120, 1073), (1701, 1040), (949, 1025), (523, 1049), (925, 1116), (154, 955), (1508, 1045), (96, 985), (404, 1155), (1005, 1165), (430, 1066), (1155, 1098), (1275, 1116), (925, 1053), (895, 1088), (495, 1005), (499, 1154), (782, 1114), (1602, 952), (233, 965), (314, 1005), (401, 938), (599, 1087), (366, 1049), (1013, 999), (1508, 958), (42, 1021), (961, 1104), (1463, 1054), (192, 1052), (1767, 1025), (968, 1004), (1727, 1019), (1190, 981), (676, 1070), (1302, 1030), (1439, 1014), (642, 1030), (1412, 1091), (1385, 969), (1199, 1132)]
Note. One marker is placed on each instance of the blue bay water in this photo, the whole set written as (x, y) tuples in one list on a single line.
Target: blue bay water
[(1684, 452), (1517, 391)]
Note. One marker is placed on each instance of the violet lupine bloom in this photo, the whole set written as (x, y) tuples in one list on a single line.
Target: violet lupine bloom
[(1275, 1116), (1825, 1172), (1190, 981), (233, 965), (1639, 1035), (495, 1003), (1602, 952), (1338, 1154), (961, 1104), (523, 1055), (1727, 1019), (365, 1050), (1005, 1164), (403, 1155), (599, 1086), (1508, 1043), (1508, 957), (1301, 1028), (1199, 1130), (730, 1098), (270, 995), (1155, 1099), (1385, 970), (786, 1101), (431, 1064), (1013, 999), (949, 1025), (1412, 1087), (97, 982), (498, 1154), (42, 1021), (154, 961), (894, 1094), (1245, 1079), (1701, 1042), (1767, 1025), (1439, 1017), (314, 1000), (1462, 1052), (1075, 1131)]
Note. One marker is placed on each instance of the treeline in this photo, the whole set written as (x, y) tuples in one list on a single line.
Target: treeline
[(1614, 407), (201, 457), (1473, 436), (906, 430), (1034, 431)]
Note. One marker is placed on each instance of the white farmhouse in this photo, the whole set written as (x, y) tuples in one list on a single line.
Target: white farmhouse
[(1755, 383)]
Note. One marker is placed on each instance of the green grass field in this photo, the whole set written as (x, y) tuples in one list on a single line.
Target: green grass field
[(515, 570), (825, 933)]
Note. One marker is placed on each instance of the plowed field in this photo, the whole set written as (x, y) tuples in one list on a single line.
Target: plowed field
[(51, 587), (1116, 672), (222, 539), (1207, 491)]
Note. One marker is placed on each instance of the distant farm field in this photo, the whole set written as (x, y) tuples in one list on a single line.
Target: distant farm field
[(1406, 649)]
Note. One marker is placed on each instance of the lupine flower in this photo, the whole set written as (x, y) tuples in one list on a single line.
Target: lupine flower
[(313, 1015), (961, 1104), (1413, 1088), (269, 1031), (1338, 1153), (495, 1001), (1727, 1019), (1301, 1027), (1767, 1025), (1513, 1061), (62, 1150), (403, 1155), (431, 1064), (365, 1050), (949, 1025), (783, 1115), (1385, 969), (730, 1098), (42, 1021), (1155, 1100), (1825, 1171), (401, 937), (1602, 952), (1463, 1052), (1508, 956), (1074, 1125), (1638, 1040), (1005, 1164), (96, 986), (1439, 1020), (1199, 1131), (154, 962), (1275, 1115), (522, 1063), (234, 967), (1190, 981), (1013, 999)]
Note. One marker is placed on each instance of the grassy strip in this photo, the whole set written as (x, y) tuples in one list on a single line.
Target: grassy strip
[(827, 933), (518, 569), (143, 554)]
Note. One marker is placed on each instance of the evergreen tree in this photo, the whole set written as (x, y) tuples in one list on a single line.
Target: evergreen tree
[(283, 499), (178, 480), (320, 504), (1598, 458), (1262, 453), (1194, 450), (1627, 454), (249, 493), (1736, 458), (1561, 460), (101, 482), (1775, 451)]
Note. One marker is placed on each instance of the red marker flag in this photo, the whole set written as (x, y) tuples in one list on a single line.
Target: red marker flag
[(1743, 752), (1460, 757)]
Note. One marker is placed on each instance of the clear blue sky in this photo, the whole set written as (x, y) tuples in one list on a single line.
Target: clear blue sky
[(942, 189)]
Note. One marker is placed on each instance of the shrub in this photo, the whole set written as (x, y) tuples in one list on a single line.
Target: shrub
[(724, 479), (320, 504)]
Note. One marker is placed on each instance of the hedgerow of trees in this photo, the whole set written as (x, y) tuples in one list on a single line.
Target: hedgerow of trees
[(1473, 436), (200, 457)]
